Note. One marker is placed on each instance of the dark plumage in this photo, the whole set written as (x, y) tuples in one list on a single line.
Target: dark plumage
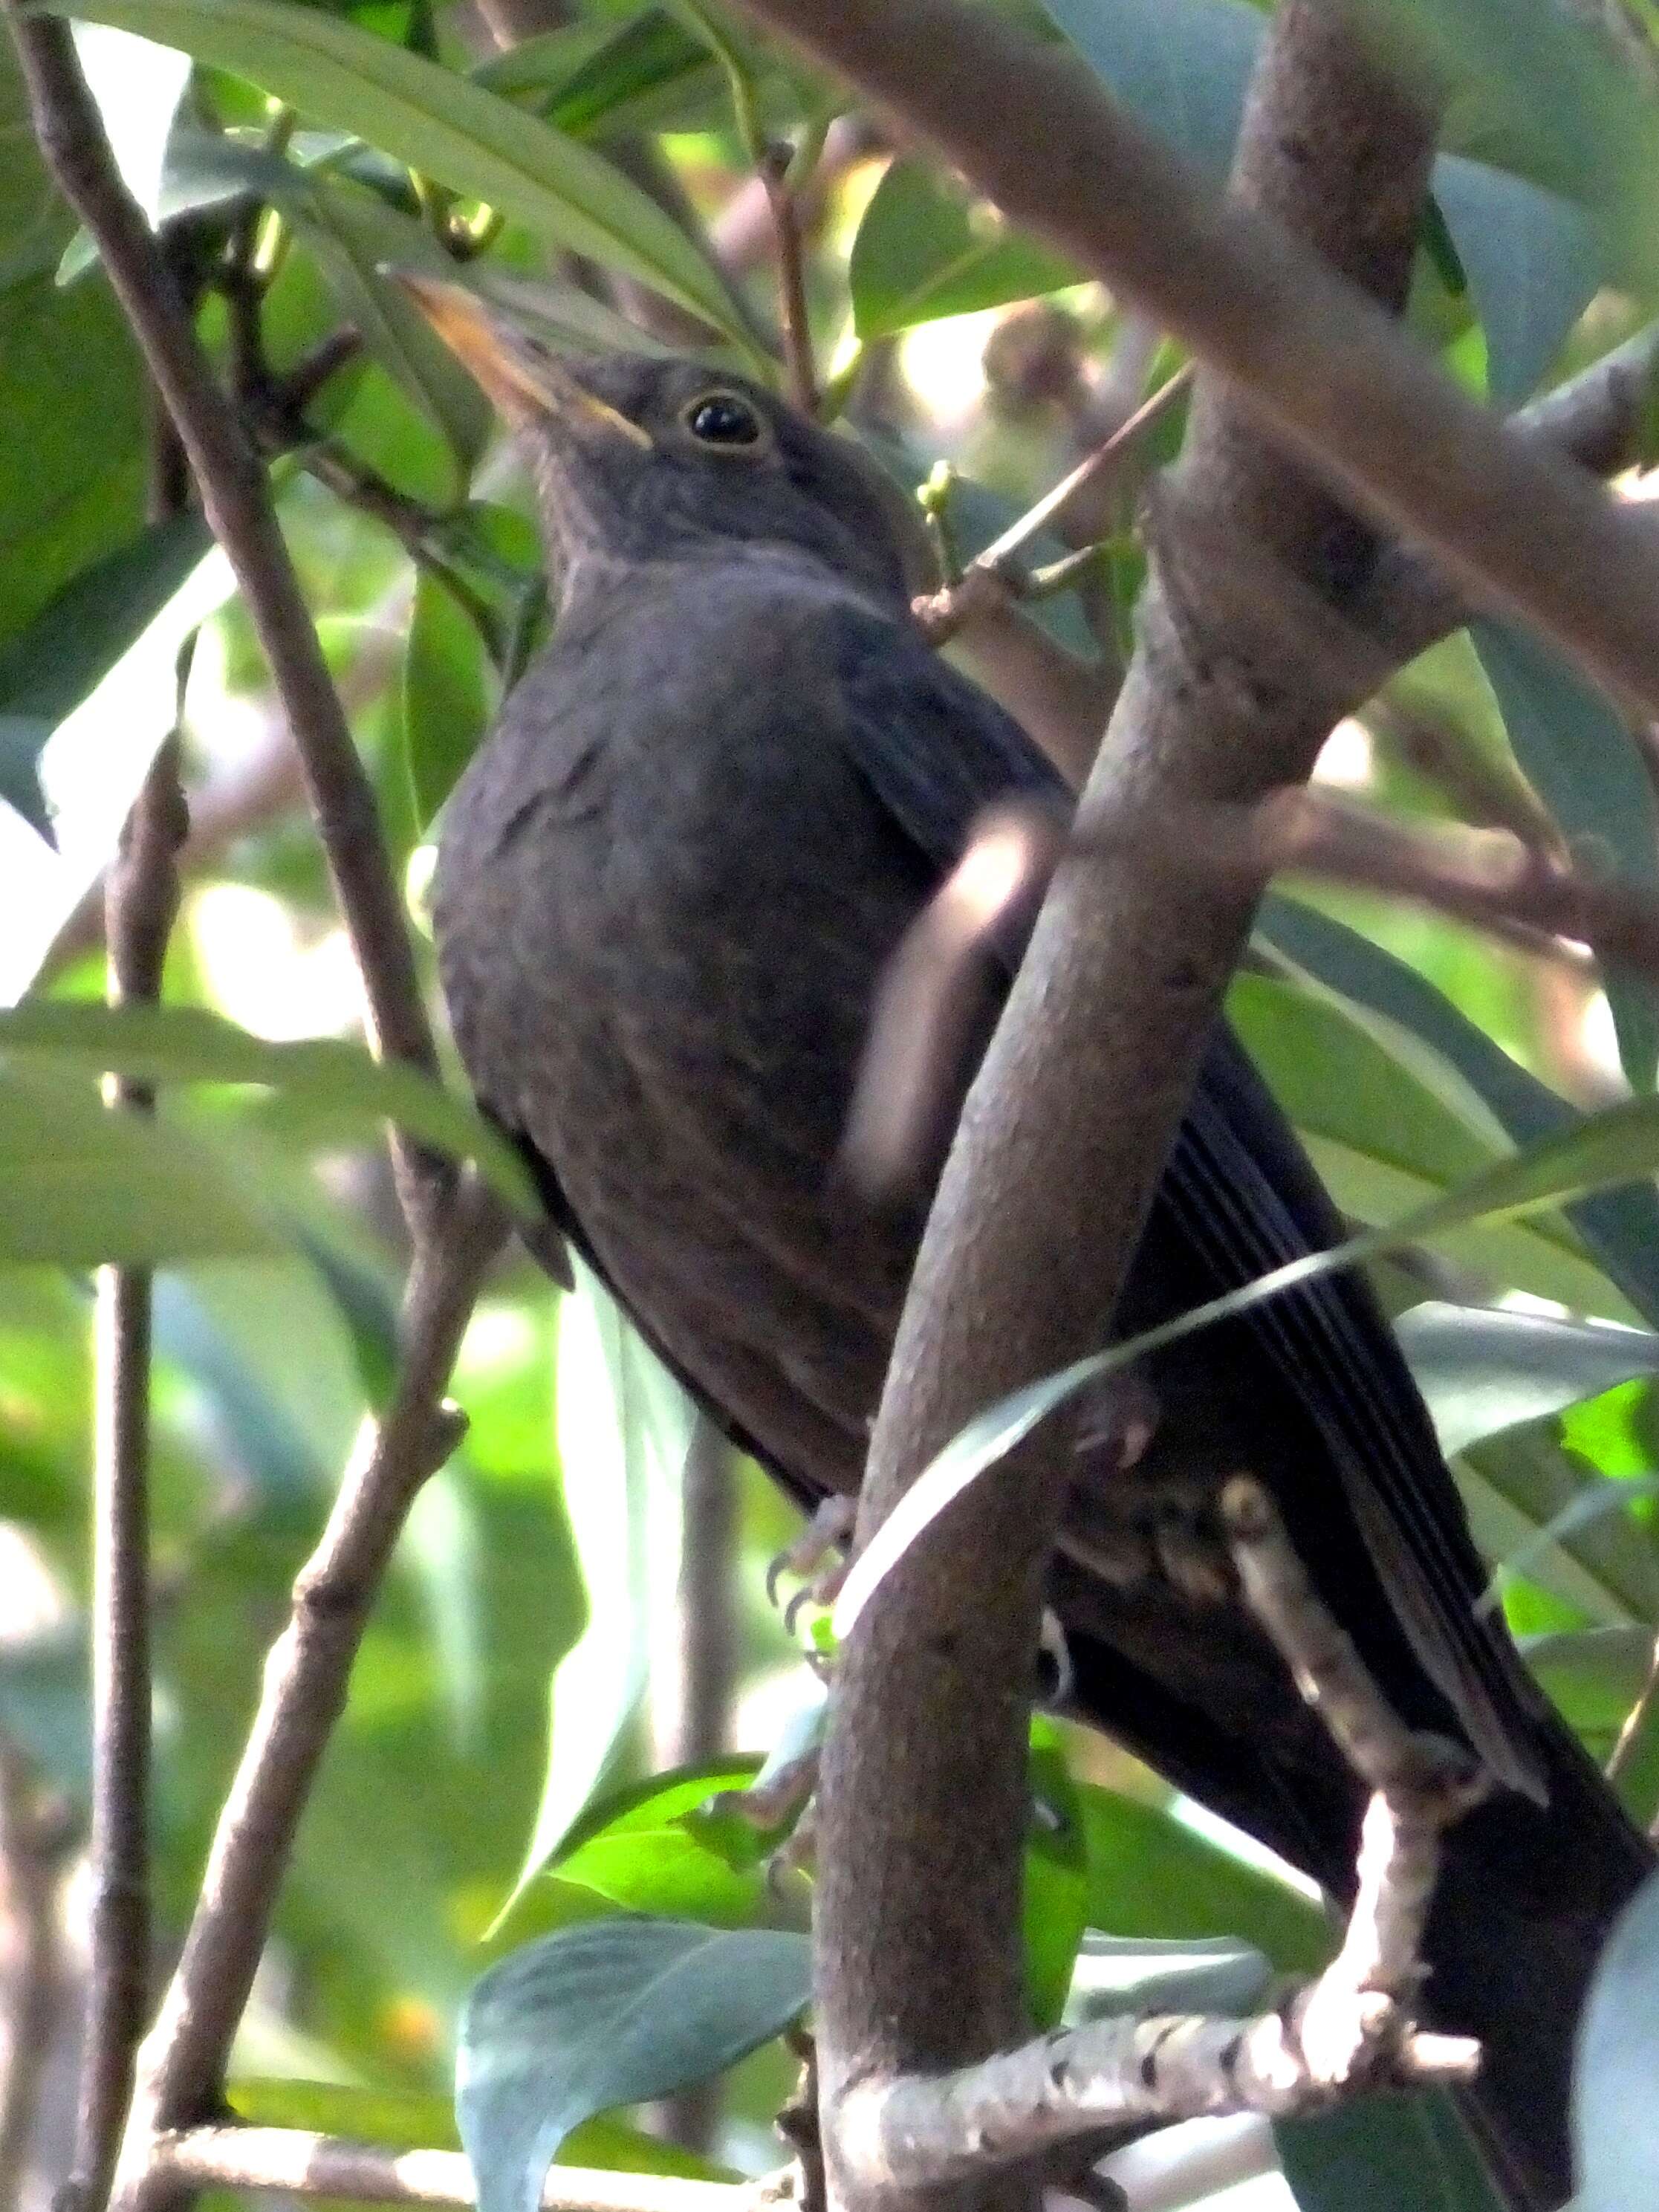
[(669, 886)]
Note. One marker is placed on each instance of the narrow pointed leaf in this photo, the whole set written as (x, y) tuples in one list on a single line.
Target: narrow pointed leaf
[(1483, 1370), (1618, 1145), (441, 123)]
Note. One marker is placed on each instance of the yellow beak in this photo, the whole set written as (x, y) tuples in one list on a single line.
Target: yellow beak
[(522, 378)]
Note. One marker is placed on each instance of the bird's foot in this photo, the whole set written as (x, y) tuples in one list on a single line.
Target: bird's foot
[(1116, 1419), (780, 1795), (815, 1556)]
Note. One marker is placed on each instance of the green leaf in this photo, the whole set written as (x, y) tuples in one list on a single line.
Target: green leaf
[(654, 1848), (1615, 2115), (1152, 1877), (72, 644), (1620, 1228), (1592, 1677), (1180, 66), (1544, 94), (1545, 1510), (442, 124), (84, 1186), (1409, 2152), (324, 1076), (647, 73), (624, 1425), (1601, 1497), (1483, 1370), (1580, 756), (446, 695), (604, 2014), (926, 249), (1616, 1146), (1056, 1884), (353, 233), (1529, 256)]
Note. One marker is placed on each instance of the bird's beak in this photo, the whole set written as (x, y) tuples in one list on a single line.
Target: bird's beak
[(522, 379)]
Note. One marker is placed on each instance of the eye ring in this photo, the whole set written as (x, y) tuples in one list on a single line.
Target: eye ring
[(722, 421)]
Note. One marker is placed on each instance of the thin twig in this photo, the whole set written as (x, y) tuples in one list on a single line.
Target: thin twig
[(141, 902), (236, 499), (783, 202), (305, 1686), (292, 2163), (35, 1835), (994, 574)]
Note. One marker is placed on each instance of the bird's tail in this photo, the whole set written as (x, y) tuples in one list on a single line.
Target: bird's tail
[(1526, 1897)]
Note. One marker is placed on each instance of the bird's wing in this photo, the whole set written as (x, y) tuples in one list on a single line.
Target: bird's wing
[(937, 750)]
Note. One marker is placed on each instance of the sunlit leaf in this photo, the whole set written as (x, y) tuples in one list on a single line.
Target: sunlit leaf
[(1616, 1146), (442, 124), (419, 2119), (1597, 1501), (1484, 1369), (1620, 1228), (1151, 1876), (1057, 1885), (137, 86), (624, 1425), (1530, 1502), (178, 1044), (83, 1186), (925, 250), (605, 2015)]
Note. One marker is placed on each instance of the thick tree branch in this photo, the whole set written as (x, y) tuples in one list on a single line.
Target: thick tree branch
[(1028, 126), (1042, 1198), (1348, 2030), (236, 499), (305, 1686)]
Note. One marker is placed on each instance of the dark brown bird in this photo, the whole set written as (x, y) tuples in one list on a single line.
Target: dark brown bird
[(669, 886)]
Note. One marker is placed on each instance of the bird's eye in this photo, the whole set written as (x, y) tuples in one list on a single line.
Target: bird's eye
[(723, 419)]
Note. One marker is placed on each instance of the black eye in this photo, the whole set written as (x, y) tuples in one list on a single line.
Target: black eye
[(722, 418)]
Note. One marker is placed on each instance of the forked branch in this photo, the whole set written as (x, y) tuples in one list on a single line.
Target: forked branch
[(1348, 2031)]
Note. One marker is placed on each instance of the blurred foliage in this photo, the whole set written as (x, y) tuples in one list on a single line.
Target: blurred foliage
[(311, 145)]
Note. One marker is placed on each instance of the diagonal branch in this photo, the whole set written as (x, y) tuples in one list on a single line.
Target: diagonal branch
[(1515, 525), (305, 1686), (1042, 1198), (236, 499)]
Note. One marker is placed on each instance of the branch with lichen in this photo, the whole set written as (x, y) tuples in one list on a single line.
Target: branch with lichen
[(1348, 2031)]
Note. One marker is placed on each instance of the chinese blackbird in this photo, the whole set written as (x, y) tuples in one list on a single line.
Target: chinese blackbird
[(668, 887)]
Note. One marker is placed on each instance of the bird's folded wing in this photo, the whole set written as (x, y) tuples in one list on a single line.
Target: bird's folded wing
[(937, 752)]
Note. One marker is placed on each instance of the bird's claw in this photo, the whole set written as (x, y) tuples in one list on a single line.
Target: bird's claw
[(815, 1555)]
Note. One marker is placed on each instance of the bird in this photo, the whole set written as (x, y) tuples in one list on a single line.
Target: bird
[(669, 885)]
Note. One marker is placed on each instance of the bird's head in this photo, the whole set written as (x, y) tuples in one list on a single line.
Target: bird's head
[(640, 457)]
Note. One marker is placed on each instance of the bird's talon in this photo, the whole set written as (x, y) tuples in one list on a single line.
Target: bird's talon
[(830, 1528)]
